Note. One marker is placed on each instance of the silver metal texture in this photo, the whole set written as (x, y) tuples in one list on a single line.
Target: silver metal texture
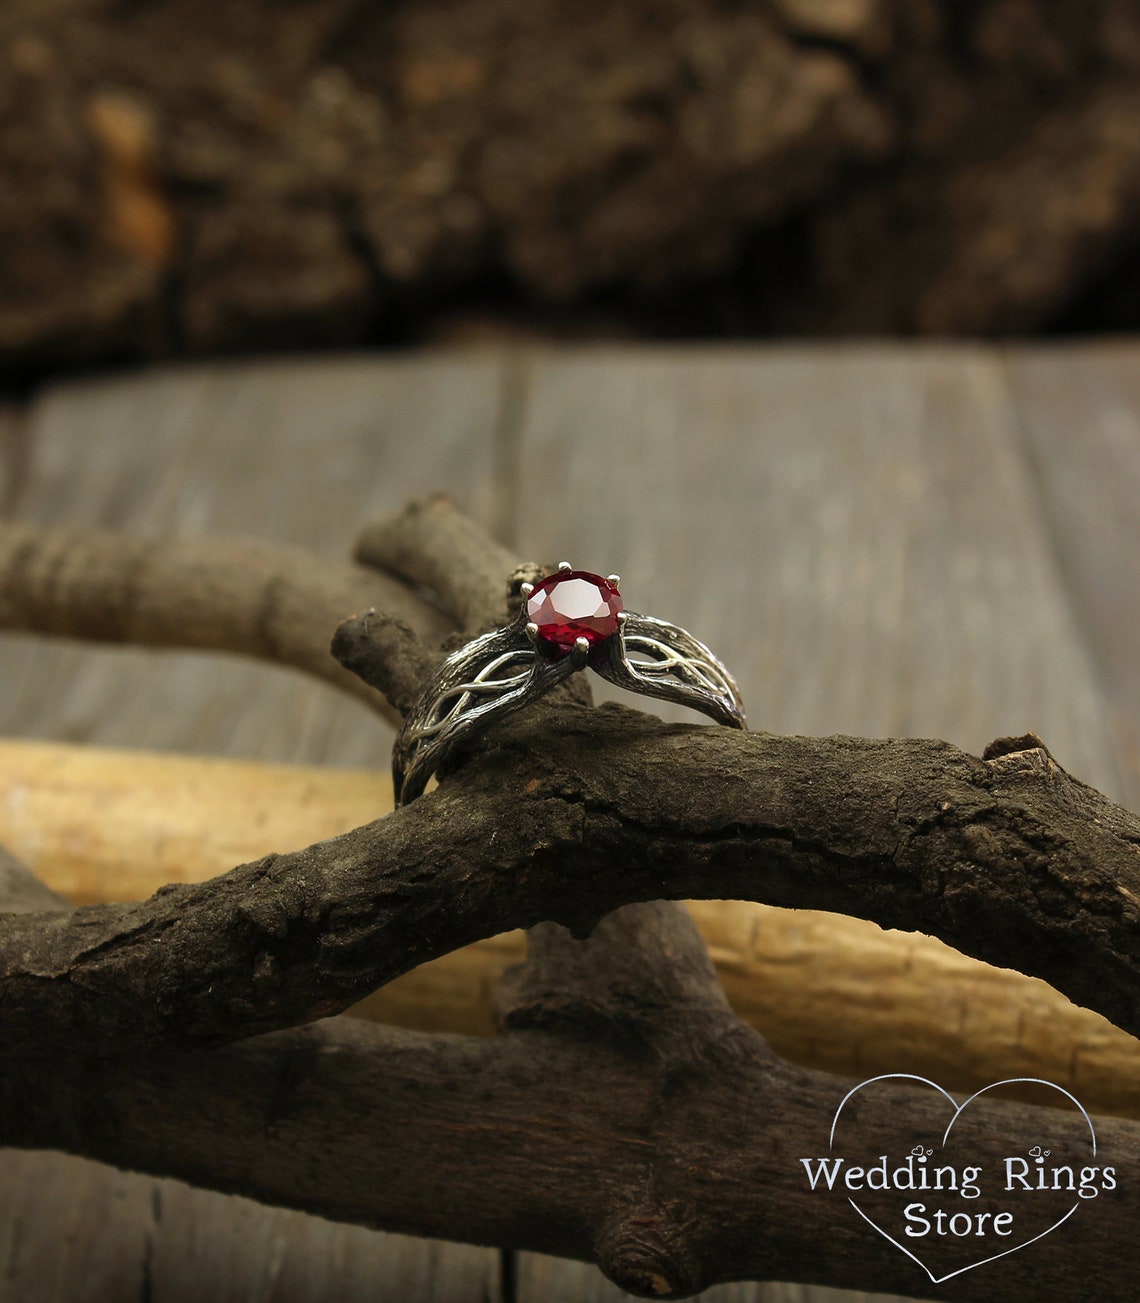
[(503, 671)]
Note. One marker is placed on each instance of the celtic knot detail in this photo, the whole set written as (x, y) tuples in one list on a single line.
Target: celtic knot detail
[(502, 671), (449, 706), (651, 657), (662, 660)]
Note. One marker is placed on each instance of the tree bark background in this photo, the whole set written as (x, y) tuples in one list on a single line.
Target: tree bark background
[(185, 177)]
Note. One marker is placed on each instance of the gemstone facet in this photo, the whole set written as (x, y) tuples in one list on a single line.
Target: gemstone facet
[(571, 605)]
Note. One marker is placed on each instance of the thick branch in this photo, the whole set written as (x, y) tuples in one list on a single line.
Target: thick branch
[(827, 991), (551, 1141), (642, 975), (267, 600), (1009, 860), (625, 1117)]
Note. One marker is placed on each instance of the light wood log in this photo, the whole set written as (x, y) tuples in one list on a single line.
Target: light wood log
[(826, 990)]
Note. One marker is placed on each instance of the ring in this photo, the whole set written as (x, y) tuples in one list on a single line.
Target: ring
[(568, 620)]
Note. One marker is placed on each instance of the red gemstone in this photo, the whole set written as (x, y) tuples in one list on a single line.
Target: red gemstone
[(571, 605)]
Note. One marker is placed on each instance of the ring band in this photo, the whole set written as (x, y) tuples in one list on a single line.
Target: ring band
[(568, 620)]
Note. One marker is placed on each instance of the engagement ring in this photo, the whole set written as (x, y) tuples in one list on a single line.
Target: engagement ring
[(568, 620)]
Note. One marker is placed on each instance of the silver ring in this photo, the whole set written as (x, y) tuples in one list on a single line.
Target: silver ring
[(568, 620)]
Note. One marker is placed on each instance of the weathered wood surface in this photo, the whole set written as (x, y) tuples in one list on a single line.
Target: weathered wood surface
[(861, 532), (1081, 426), (281, 451), (857, 529), (74, 1231)]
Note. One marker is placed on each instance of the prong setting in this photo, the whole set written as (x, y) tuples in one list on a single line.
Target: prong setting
[(525, 590), (581, 652), (615, 580), (532, 632), (565, 567)]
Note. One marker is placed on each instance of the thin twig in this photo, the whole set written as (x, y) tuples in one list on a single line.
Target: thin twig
[(431, 544)]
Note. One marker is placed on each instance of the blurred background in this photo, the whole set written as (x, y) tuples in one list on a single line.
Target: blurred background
[(190, 177)]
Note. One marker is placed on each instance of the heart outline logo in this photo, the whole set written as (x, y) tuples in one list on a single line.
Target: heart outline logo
[(958, 1110)]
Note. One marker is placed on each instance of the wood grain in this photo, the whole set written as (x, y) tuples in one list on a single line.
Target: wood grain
[(115, 1236), (854, 530), (103, 825), (1079, 412), (302, 452)]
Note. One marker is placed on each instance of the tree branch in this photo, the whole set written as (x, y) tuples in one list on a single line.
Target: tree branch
[(432, 545), (628, 1119), (672, 1163), (1008, 860), (826, 990), (260, 599)]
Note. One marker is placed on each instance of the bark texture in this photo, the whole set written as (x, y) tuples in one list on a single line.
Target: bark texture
[(623, 1116), (1009, 860), (184, 177), (260, 599), (825, 990)]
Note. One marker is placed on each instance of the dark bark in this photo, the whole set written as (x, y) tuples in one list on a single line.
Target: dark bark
[(182, 177), (440, 550), (1009, 860), (623, 1116)]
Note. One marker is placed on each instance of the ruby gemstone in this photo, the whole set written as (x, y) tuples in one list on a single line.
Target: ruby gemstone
[(570, 605)]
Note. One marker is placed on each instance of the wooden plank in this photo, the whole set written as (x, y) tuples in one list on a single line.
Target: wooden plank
[(1079, 409), (853, 529), (98, 825), (553, 1280), (73, 1230), (304, 452), (232, 1250)]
